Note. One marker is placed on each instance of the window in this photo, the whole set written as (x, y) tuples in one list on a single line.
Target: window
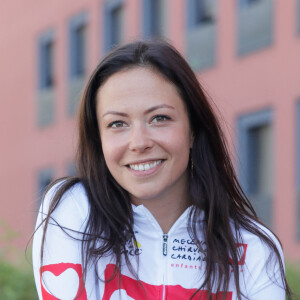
[(200, 12), (80, 51), (113, 23), (116, 15), (255, 25), (153, 18), (45, 177), (71, 169), (46, 54), (47, 75), (78, 59), (203, 11), (259, 169), (78, 45), (256, 156), (46, 80), (201, 33)]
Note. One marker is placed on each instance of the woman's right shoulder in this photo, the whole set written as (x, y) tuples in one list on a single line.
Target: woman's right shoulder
[(73, 206)]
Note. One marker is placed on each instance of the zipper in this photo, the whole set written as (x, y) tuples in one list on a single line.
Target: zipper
[(164, 257), (165, 245), (165, 252)]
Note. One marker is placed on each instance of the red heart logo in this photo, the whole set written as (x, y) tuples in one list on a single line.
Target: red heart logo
[(62, 281)]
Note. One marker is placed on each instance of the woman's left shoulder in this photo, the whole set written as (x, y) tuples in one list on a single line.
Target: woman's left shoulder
[(259, 240), (261, 266)]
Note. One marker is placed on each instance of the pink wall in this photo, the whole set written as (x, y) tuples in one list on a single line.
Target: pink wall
[(265, 78)]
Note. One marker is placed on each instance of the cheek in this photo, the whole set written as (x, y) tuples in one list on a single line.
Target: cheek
[(179, 140), (112, 150), (177, 145)]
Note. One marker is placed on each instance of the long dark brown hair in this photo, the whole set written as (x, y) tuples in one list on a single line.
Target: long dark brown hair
[(214, 188)]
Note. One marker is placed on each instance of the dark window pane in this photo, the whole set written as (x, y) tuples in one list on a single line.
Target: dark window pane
[(260, 160), (116, 15), (71, 170), (48, 63), (155, 19), (80, 40), (45, 178), (253, 157), (202, 11)]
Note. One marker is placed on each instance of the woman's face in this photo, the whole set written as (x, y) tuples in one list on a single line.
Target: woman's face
[(145, 133)]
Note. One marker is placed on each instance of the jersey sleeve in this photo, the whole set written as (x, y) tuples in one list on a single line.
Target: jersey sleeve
[(262, 270), (61, 276)]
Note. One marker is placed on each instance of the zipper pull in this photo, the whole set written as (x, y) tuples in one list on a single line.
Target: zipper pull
[(165, 244)]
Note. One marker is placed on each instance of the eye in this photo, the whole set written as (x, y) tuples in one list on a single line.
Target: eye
[(117, 124), (160, 118)]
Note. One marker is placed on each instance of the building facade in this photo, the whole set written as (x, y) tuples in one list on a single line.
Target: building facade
[(245, 54)]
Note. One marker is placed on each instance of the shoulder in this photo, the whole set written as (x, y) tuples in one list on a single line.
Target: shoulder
[(71, 210), (261, 266), (256, 245), (58, 247)]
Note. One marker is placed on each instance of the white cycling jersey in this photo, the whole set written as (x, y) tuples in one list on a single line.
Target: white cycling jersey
[(170, 265)]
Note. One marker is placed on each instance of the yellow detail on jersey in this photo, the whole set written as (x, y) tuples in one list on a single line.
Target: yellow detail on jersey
[(137, 244)]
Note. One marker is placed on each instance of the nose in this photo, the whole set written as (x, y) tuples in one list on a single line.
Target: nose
[(140, 138)]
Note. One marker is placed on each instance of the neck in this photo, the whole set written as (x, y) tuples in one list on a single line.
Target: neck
[(166, 215), (168, 207)]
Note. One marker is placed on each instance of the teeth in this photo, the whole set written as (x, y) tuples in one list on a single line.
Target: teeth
[(153, 164), (145, 166)]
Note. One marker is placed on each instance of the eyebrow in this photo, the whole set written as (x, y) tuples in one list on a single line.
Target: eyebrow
[(151, 109)]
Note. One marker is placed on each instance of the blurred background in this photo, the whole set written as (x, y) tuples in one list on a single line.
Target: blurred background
[(245, 53)]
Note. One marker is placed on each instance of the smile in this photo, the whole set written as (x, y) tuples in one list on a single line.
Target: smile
[(145, 166)]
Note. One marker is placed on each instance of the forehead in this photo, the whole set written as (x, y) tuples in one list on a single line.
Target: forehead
[(138, 86)]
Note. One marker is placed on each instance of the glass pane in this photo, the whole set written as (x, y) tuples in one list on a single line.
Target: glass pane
[(80, 40), (116, 17), (155, 17), (260, 160), (45, 178), (202, 11), (48, 60)]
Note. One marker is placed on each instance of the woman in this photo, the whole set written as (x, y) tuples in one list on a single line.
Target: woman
[(156, 211)]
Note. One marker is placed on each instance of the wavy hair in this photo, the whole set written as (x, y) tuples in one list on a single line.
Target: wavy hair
[(214, 188)]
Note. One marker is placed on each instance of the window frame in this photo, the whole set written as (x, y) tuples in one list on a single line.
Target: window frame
[(252, 37), (76, 22), (262, 201)]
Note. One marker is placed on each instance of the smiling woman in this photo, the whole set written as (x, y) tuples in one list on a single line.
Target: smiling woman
[(155, 211)]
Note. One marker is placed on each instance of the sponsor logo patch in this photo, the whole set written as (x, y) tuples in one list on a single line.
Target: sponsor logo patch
[(242, 249)]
